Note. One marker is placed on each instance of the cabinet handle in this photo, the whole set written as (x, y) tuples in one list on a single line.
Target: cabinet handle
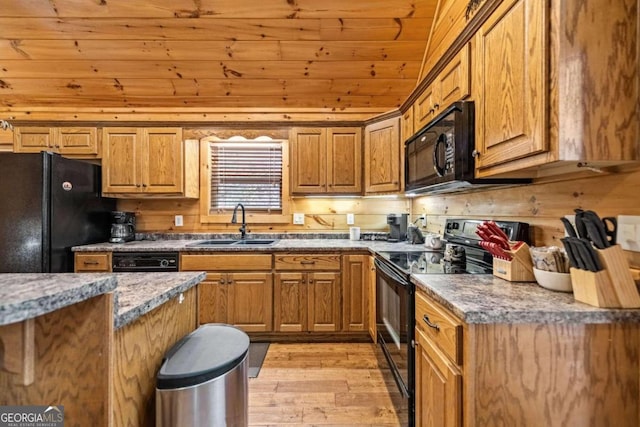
[(428, 322), (90, 262), (144, 185), (310, 281), (222, 282), (437, 106), (307, 262), (137, 185), (475, 153)]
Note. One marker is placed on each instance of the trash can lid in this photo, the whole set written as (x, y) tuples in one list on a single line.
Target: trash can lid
[(206, 353)]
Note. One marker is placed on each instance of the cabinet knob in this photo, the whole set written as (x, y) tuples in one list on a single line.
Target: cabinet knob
[(222, 282), (437, 106), (310, 281), (144, 185), (137, 185), (475, 153)]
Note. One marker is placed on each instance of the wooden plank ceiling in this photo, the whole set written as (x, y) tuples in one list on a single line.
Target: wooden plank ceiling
[(337, 54)]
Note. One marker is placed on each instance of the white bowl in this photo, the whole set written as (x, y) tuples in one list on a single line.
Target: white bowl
[(553, 281)]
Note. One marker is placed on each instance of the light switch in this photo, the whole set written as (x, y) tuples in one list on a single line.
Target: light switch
[(298, 218)]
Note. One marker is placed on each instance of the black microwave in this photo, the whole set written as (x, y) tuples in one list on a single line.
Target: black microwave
[(439, 157)]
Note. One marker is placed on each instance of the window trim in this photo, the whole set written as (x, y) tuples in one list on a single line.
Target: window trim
[(223, 216)]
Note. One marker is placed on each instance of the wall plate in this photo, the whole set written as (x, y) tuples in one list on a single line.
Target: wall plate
[(298, 219), (350, 219), (178, 220)]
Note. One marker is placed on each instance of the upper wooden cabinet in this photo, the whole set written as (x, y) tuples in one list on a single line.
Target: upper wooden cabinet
[(149, 162), (69, 141), (326, 160), (547, 105), (382, 157), (452, 84), (511, 68)]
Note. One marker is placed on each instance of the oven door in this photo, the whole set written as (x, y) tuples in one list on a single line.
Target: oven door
[(395, 324)]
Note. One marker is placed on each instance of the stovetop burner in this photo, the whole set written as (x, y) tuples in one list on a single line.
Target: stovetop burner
[(431, 262)]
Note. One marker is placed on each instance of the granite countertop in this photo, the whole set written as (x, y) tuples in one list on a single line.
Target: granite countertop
[(28, 295), (484, 298), (139, 293), (282, 245)]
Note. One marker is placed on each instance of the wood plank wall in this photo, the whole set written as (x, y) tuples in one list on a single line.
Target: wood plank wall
[(541, 204), (321, 215)]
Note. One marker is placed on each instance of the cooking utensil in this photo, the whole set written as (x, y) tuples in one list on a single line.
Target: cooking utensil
[(572, 252), (596, 232)]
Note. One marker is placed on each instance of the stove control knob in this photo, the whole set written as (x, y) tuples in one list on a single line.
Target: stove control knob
[(164, 263)]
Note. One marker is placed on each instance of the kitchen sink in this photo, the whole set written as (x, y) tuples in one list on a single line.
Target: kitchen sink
[(232, 242)]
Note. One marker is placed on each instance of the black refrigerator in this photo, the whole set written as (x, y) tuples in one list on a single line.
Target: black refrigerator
[(48, 204)]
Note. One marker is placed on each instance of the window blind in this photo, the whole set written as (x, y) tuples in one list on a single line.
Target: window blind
[(246, 172)]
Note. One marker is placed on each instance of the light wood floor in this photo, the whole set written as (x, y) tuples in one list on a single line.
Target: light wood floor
[(323, 385)]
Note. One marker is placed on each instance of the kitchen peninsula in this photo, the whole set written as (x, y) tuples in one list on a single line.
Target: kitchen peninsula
[(75, 339)]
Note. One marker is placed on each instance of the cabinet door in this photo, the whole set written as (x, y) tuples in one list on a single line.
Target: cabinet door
[(250, 301), (344, 160), (212, 299), (33, 139), (511, 72), (355, 281), (425, 108), (290, 302), (308, 160), (371, 289), (121, 163), (81, 141), (92, 262), (323, 303), (6, 140), (162, 166), (382, 156), (438, 387), (454, 80)]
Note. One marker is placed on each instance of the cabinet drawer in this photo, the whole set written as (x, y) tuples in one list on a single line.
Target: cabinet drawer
[(444, 329), (307, 262), (217, 262), (93, 262)]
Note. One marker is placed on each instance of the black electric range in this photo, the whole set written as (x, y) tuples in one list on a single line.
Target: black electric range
[(395, 294)]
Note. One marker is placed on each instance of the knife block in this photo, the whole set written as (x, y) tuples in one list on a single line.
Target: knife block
[(519, 269), (612, 287)]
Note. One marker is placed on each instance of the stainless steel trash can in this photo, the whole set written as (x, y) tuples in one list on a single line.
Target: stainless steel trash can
[(203, 380)]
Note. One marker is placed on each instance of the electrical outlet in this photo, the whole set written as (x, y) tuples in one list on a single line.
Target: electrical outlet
[(628, 235), (350, 219), (178, 220), (298, 218)]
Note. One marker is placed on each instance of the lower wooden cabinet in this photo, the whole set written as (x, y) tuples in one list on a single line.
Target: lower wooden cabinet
[(92, 262), (355, 295), (438, 386), (233, 292), (307, 302), (438, 374), (371, 292)]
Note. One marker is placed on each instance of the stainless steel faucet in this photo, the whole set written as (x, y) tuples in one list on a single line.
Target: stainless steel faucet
[(234, 220)]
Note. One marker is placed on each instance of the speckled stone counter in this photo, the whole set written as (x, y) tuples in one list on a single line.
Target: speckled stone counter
[(282, 245), (489, 299), (28, 295), (139, 293)]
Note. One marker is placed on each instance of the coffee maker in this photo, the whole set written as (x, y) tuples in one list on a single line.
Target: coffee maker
[(397, 226), (123, 227)]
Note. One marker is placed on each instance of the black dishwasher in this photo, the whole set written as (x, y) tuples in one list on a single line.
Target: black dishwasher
[(139, 262)]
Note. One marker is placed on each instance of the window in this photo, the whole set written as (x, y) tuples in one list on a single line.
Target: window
[(251, 172)]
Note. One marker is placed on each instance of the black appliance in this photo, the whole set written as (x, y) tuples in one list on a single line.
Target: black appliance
[(49, 204), (137, 262), (439, 157), (123, 227), (397, 227), (395, 294)]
